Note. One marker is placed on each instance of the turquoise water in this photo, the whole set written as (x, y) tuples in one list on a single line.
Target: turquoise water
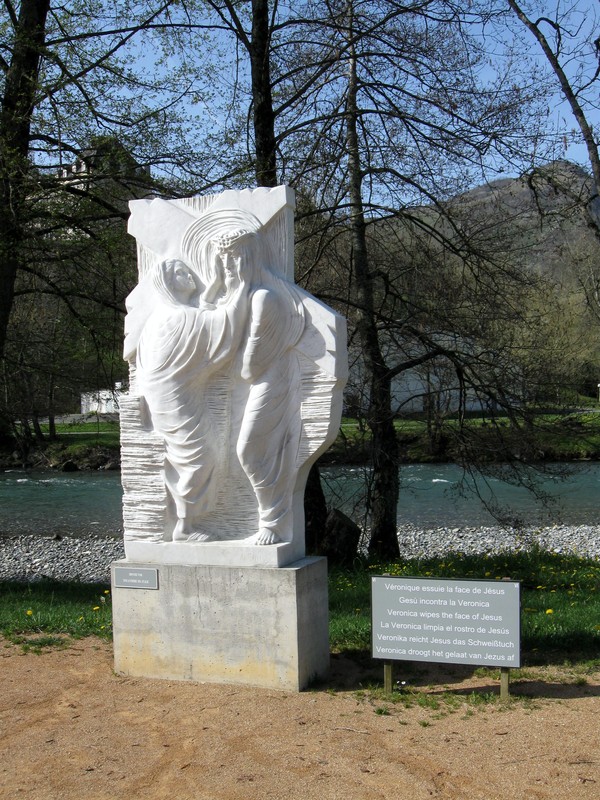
[(84, 503), (436, 495), (73, 503)]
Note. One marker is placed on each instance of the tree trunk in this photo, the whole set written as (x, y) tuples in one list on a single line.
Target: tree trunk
[(383, 542), (262, 100), (15, 131), (315, 507), (37, 428)]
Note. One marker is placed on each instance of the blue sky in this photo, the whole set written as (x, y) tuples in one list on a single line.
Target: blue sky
[(578, 58)]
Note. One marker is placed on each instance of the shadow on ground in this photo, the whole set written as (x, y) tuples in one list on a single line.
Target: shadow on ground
[(355, 670)]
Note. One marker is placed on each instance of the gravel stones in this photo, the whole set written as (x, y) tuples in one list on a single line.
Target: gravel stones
[(583, 540), (28, 558)]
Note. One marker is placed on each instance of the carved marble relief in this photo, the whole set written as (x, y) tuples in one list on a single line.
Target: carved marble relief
[(236, 373)]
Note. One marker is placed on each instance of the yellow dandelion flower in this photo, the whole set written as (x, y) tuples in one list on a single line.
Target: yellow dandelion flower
[(29, 612), (549, 611), (96, 608)]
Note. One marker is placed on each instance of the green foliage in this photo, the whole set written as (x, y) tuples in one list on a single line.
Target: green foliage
[(560, 437)]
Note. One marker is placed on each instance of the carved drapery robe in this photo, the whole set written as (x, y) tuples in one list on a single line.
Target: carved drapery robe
[(179, 350)]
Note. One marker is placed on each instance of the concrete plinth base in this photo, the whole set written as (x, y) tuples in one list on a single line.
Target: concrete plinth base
[(259, 626)]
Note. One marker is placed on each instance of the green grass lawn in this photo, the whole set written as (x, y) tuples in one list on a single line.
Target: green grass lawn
[(49, 613), (560, 604), (87, 433), (89, 444), (560, 600), (558, 437)]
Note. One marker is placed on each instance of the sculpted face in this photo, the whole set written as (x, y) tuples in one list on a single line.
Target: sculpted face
[(233, 254), (231, 260), (182, 281)]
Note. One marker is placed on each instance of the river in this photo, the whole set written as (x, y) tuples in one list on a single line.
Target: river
[(84, 503)]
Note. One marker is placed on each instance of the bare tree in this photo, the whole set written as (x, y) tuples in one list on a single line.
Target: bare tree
[(69, 72), (82, 119), (378, 112), (412, 124), (569, 38)]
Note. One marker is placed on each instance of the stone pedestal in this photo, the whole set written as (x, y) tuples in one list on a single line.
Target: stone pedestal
[(252, 625)]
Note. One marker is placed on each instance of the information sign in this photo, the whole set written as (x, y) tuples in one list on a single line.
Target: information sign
[(450, 621)]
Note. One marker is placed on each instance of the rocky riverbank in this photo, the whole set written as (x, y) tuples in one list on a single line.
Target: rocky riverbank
[(30, 558), (583, 540)]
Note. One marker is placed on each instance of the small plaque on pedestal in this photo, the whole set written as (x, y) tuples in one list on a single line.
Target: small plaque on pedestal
[(136, 578)]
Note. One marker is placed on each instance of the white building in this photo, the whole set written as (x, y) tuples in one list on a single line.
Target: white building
[(103, 401)]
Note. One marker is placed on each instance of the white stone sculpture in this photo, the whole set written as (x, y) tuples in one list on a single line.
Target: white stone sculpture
[(235, 383)]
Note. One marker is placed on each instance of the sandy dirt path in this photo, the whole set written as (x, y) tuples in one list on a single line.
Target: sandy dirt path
[(70, 729)]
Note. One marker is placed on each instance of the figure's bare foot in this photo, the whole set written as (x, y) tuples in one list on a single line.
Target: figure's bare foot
[(264, 536)]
